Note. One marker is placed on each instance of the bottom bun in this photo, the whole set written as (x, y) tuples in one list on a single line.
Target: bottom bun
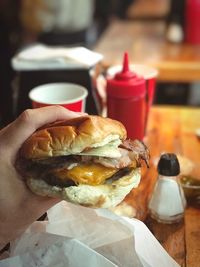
[(101, 196)]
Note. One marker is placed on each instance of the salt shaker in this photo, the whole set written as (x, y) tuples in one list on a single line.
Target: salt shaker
[(167, 203)]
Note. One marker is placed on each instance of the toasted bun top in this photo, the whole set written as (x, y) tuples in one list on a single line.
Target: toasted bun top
[(72, 137)]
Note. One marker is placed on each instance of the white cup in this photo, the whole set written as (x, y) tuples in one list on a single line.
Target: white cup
[(145, 71)]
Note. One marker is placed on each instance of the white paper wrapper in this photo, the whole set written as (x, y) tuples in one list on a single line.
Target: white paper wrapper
[(77, 236), (49, 250), (39, 57)]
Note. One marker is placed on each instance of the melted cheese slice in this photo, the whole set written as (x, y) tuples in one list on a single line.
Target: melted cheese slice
[(91, 174)]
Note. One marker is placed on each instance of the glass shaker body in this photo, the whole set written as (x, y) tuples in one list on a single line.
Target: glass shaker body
[(167, 203)]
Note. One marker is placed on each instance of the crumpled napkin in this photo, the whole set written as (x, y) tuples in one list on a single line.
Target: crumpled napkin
[(38, 57), (81, 235)]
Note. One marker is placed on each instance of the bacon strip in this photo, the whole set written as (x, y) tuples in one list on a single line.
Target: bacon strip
[(139, 149), (132, 153)]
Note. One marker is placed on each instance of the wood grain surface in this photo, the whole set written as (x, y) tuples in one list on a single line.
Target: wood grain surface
[(151, 9), (146, 43), (172, 129)]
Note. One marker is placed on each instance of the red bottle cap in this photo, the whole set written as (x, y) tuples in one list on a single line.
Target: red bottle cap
[(126, 83)]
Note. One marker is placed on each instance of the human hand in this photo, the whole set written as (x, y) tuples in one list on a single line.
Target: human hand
[(19, 206)]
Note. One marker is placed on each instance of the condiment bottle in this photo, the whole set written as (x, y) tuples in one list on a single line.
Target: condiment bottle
[(126, 101), (167, 203), (192, 21)]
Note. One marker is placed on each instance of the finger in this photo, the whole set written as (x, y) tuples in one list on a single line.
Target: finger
[(30, 120)]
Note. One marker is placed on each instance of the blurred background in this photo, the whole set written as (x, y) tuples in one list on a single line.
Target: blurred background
[(88, 22)]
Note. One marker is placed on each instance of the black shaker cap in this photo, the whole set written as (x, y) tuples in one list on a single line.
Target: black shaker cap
[(168, 165)]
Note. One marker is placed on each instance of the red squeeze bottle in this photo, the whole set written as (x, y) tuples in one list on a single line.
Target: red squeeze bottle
[(192, 21), (126, 100)]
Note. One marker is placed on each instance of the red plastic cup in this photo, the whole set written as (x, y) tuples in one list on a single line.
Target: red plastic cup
[(148, 73), (69, 95)]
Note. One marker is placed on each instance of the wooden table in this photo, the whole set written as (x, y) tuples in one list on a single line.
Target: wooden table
[(171, 129), (146, 43), (151, 9)]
